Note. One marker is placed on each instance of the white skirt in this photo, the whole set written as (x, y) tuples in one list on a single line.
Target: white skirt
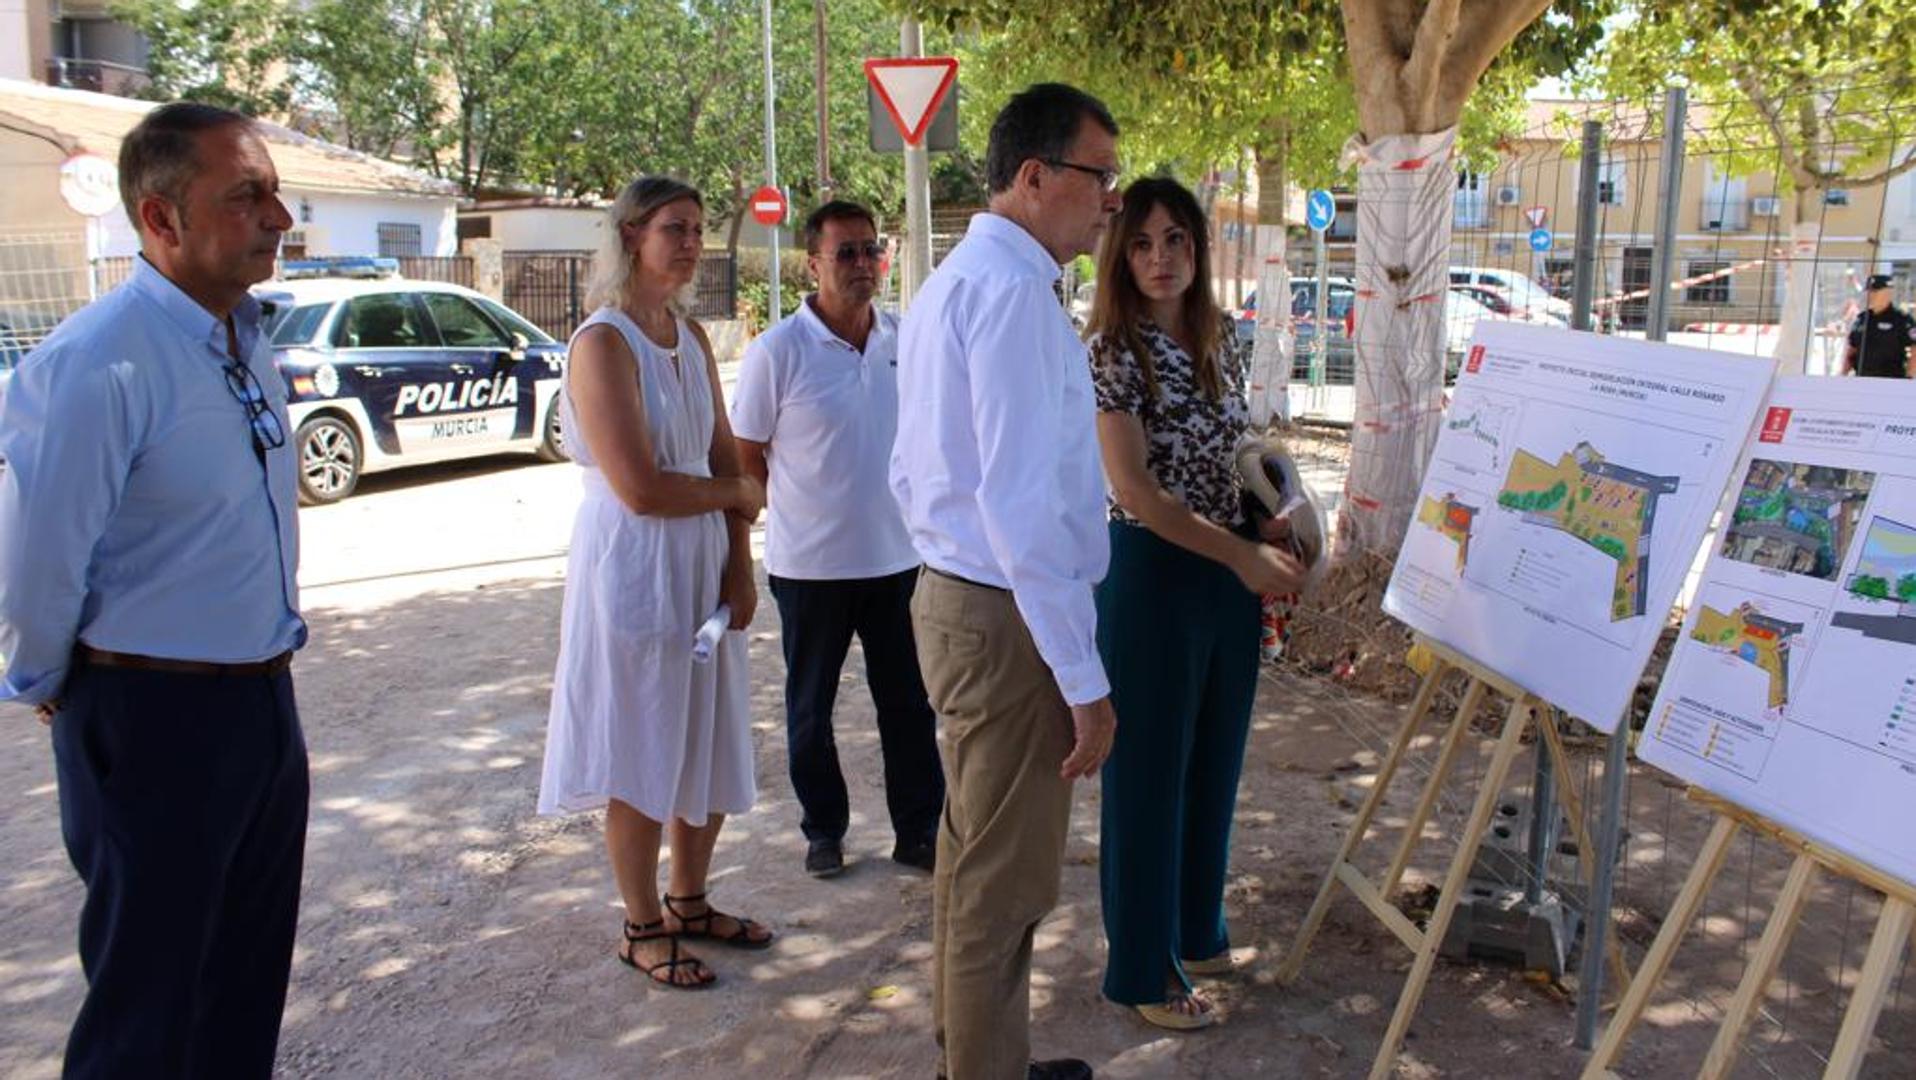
[(633, 718)]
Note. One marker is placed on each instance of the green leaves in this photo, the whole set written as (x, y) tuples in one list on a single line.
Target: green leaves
[(221, 52)]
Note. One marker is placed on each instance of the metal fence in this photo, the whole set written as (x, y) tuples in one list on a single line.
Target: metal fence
[(44, 277), (1729, 261), (452, 269), (548, 287)]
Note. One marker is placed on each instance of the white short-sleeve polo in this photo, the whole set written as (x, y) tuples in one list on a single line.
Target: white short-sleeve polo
[(827, 414)]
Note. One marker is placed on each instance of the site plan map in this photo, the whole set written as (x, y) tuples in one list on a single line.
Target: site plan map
[(1573, 479), (1792, 690)]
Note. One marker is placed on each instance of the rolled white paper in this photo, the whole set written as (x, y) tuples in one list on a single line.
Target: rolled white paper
[(707, 638)]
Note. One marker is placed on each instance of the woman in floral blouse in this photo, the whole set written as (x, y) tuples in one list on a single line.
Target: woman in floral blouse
[(1178, 612)]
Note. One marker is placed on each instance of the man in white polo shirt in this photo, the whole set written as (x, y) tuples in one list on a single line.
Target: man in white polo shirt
[(815, 411)]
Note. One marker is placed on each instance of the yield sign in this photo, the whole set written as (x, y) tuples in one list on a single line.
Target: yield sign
[(911, 88), (1537, 216)]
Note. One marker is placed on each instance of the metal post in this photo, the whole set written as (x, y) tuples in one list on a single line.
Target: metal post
[(917, 191), (1669, 192), (1321, 331), (1596, 917), (1583, 280), (822, 82), (1616, 766), (775, 299), (1543, 821)]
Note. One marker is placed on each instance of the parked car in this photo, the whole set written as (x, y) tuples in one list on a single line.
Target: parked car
[(1499, 302), (1522, 291), (1340, 350), (383, 372)]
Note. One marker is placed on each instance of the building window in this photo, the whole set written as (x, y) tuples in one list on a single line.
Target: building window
[(396, 239), (1559, 275), (1470, 207), (1610, 182), (1714, 291)]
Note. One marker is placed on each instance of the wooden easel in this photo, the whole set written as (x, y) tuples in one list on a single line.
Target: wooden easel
[(1812, 859), (1524, 710)]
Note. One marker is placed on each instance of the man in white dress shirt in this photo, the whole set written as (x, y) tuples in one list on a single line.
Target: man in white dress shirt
[(815, 412), (996, 467)]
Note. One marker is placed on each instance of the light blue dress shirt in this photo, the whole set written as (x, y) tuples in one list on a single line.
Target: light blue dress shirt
[(135, 515)]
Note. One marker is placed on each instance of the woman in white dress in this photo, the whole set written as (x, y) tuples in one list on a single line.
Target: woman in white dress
[(660, 542)]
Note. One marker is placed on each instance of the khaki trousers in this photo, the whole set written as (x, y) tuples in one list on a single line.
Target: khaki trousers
[(1006, 733)]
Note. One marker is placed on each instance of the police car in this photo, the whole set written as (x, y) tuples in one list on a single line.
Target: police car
[(383, 372)]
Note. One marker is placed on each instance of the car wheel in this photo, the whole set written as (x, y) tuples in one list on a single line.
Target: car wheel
[(328, 460), (552, 438)]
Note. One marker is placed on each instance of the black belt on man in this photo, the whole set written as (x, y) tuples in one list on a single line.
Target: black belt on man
[(87, 654), (949, 576)]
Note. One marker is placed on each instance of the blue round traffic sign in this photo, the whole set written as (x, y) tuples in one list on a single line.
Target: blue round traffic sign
[(1540, 239), (1320, 209)]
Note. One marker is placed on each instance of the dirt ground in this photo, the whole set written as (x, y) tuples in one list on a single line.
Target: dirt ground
[(448, 931)]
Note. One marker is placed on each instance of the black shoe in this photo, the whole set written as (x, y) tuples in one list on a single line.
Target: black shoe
[(823, 858), (919, 854), (1056, 1069)]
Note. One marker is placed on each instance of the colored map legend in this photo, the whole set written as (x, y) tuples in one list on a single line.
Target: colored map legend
[(1720, 738), (1899, 733)]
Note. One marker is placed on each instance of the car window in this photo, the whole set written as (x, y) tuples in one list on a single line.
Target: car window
[(1460, 277), (461, 325), (512, 321), (296, 327), (1303, 300), (382, 321), (1342, 300)]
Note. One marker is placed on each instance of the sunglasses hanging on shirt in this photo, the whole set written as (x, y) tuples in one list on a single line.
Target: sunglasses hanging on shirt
[(267, 433)]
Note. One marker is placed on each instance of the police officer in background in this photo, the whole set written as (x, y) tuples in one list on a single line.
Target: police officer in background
[(1881, 337)]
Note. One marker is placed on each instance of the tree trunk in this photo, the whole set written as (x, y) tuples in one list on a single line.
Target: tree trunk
[(1404, 188), (1794, 336), (1274, 346), (1414, 66), (738, 219)]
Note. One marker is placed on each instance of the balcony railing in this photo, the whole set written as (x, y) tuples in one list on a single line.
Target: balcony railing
[(99, 76)]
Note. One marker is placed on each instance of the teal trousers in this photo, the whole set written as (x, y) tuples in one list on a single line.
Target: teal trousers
[(1179, 637)]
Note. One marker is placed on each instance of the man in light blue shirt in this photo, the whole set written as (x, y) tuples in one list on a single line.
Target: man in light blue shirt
[(148, 610)]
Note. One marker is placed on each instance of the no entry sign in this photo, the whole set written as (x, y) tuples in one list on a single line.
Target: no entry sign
[(768, 205)]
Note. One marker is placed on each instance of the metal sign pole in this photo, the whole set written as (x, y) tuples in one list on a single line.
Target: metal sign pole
[(1321, 331), (917, 190), (775, 300)]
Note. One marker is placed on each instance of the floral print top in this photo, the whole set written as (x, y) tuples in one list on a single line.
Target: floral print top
[(1190, 439)]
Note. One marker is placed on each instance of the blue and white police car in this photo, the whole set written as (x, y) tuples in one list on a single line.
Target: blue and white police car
[(383, 372)]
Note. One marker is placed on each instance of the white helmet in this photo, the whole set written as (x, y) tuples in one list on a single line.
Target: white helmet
[(1273, 488)]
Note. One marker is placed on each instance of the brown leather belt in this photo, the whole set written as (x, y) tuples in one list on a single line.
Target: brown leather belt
[(948, 576), (105, 658)]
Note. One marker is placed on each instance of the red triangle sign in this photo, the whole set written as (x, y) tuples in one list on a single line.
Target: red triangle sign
[(912, 88)]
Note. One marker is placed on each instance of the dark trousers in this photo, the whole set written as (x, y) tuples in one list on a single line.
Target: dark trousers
[(817, 621), (1179, 638), (183, 806)]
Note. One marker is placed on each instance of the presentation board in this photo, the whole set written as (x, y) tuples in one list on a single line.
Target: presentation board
[(1792, 690), (1571, 485)]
